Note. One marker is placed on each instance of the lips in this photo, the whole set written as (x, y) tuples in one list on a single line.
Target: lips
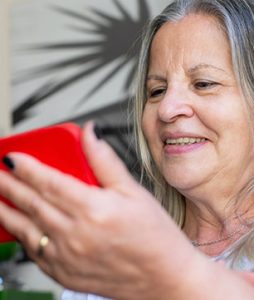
[(177, 143)]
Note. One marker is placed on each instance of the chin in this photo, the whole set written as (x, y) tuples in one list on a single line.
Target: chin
[(183, 185), (183, 181)]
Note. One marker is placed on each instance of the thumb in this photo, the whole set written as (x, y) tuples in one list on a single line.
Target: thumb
[(108, 168)]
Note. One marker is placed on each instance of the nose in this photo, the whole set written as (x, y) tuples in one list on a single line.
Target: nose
[(175, 104)]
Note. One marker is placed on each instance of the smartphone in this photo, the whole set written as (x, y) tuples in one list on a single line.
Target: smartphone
[(58, 146)]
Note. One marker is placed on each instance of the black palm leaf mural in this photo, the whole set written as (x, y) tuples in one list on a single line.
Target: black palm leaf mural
[(117, 44), (109, 41)]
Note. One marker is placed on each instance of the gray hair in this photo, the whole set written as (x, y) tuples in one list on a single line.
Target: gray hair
[(236, 18)]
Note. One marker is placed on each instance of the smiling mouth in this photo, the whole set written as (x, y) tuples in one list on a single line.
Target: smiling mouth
[(185, 141)]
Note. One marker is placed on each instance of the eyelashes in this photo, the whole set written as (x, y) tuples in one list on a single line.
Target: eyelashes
[(198, 86), (204, 85), (157, 92)]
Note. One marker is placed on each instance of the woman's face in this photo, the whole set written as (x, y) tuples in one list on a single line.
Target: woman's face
[(195, 117)]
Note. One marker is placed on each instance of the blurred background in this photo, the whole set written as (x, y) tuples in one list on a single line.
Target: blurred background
[(70, 60)]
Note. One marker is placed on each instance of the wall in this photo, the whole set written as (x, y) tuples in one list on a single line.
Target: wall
[(71, 58)]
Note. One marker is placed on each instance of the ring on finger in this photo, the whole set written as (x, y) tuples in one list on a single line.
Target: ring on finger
[(44, 241)]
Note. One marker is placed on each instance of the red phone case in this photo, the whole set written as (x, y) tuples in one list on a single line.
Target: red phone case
[(58, 146)]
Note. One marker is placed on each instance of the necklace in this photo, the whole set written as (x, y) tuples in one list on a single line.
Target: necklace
[(212, 242)]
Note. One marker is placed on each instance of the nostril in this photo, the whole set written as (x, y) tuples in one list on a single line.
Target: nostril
[(170, 112)]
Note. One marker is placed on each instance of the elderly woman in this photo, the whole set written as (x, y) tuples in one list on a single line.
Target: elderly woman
[(194, 122)]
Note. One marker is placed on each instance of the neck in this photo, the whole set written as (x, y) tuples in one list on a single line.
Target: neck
[(213, 230)]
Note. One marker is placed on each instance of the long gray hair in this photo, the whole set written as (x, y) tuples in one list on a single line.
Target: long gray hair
[(236, 17)]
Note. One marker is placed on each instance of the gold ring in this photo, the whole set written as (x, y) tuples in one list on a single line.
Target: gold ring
[(42, 244)]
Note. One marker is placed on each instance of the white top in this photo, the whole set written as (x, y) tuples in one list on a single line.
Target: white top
[(240, 255), (70, 295)]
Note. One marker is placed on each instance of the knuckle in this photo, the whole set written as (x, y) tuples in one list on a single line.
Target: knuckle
[(8, 193), (50, 186), (26, 239), (77, 248), (33, 206), (104, 219), (26, 172)]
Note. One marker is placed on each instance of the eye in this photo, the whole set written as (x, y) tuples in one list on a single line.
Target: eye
[(157, 92), (204, 85)]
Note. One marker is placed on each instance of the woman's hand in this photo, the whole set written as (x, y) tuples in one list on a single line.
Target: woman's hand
[(114, 240)]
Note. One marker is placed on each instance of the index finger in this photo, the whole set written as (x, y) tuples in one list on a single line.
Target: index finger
[(56, 187)]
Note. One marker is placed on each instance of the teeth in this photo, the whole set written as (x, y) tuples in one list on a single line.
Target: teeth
[(184, 141)]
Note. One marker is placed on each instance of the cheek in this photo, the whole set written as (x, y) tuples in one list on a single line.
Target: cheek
[(151, 131), (150, 127), (147, 123)]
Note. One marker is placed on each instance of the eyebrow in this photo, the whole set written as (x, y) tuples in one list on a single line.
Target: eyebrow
[(203, 66), (155, 77), (190, 71)]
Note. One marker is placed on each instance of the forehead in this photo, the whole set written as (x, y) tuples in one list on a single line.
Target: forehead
[(195, 39)]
